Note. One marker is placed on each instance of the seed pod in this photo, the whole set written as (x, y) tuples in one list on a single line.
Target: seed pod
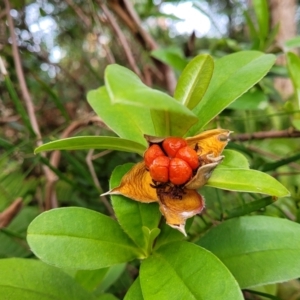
[(159, 170), (189, 155), (151, 153), (179, 171), (172, 144)]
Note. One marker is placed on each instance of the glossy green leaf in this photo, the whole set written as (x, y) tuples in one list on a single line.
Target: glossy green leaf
[(252, 100), (182, 270), (126, 121), (252, 30), (257, 250), (293, 64), (170, 235), (135, 291), (29, 279), (79, 238), (234, 159), (93, 142), (194, 80), (18, 104), (282, 162), (107, 297), (12, 237), (233, 75), (172, 57), (249, 207), (262, 15), (90, 279), (133, 215), (269, 291), (292, 43), (243, 180), (110, 278), (125, 87)]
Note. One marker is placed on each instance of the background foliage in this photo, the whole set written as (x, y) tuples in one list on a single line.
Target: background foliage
[(54, 52)]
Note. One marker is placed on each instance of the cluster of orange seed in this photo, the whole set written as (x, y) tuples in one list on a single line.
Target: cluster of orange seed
[(171, 161)]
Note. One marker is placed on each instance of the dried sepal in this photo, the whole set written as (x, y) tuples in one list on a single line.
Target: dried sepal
[(137, 185), (153, 139), (176, 211), (203, 173), (209, 142)]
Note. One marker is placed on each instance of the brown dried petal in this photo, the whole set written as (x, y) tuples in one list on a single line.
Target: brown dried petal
[(209, 142), (203, 173), (176, 211), (135, 184), (153, 139)]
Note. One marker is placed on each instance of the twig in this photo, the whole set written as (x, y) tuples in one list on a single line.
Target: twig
[(50, 199), (125, 10), (272, 155), (260, 135), (2, 14), (80, 13), (10, 212), (89, 162), (56, 155), (9, 119), (121, 38), (101, 154), (110, 56)]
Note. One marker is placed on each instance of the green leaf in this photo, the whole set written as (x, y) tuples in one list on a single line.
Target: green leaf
[(243, 180), (262, 14), (12, 237), (107, 297), (293, 64), (172, 57), (233, 75), (274, 165), (18, 104), (133, 215), (182, 270), (251, 100), (126, 121), (90, 279), (135, 291), (79, 238), (125, 87), (29, 279), (292, 43), (194, 80), (110, 278), (249, 207), (257, 250), (252, 30), (93, 142), (53, 95), (168, 235), (233, 159)]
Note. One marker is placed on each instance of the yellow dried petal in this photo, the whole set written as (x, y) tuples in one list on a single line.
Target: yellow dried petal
[(135, 184), (203, 174), (176, 211), (209, 142)]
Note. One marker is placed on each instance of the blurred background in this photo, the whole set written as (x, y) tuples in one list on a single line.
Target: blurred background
[(52, 52)]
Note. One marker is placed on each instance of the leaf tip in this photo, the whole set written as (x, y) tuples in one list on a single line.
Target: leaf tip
[(179, 228)]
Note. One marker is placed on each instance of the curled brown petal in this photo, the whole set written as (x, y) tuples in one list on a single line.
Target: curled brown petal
[(203, 173), (136, 184), (210, 142), (176, 211)]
